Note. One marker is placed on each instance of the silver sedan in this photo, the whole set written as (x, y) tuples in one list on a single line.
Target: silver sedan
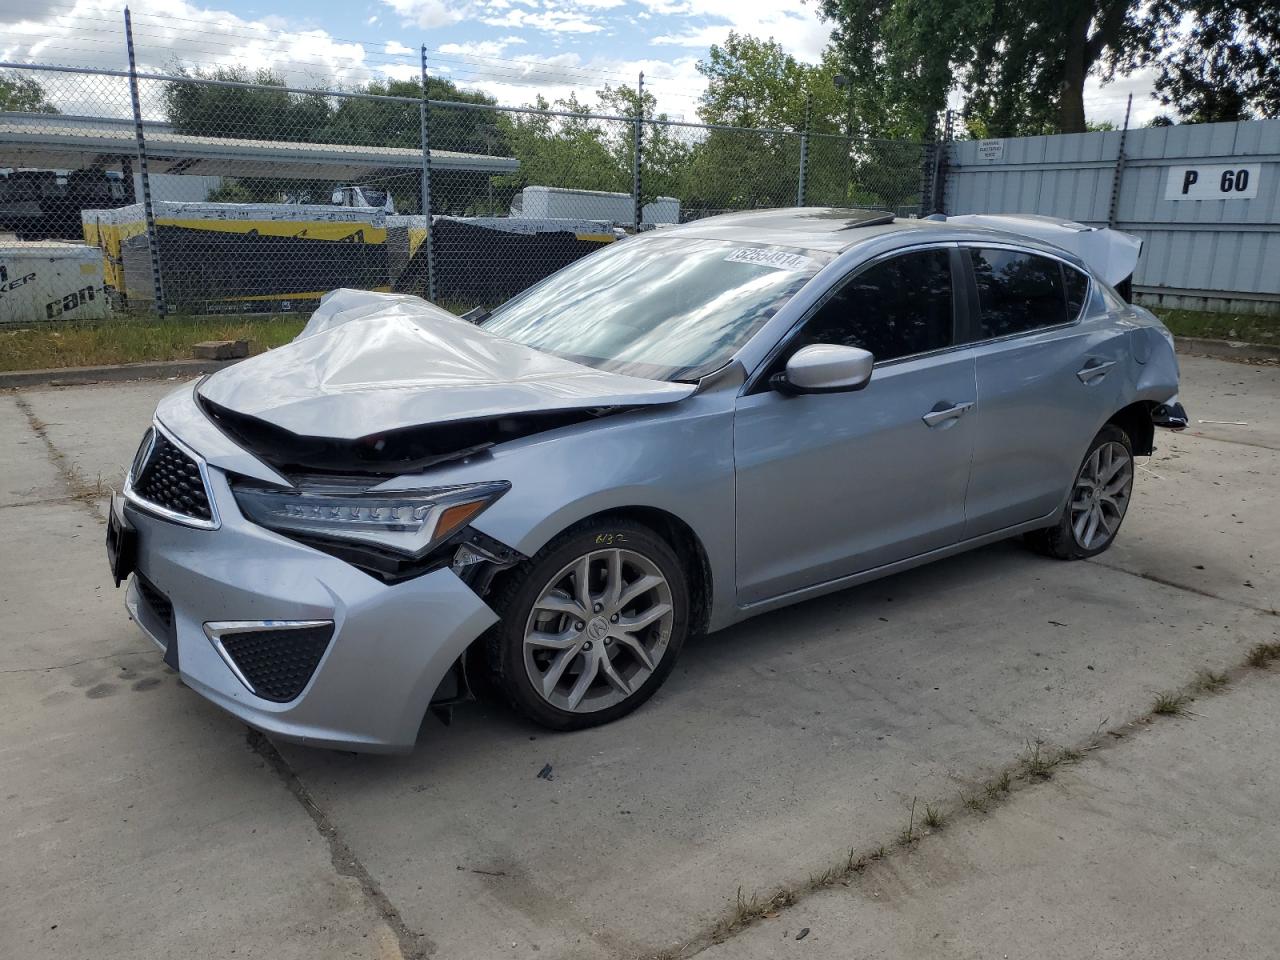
[(680, 431)]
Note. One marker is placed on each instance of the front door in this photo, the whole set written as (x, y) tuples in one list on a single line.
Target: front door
[(829, 485)]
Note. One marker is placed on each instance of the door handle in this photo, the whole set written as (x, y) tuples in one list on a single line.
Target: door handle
[(1094, 370), (937, 417)]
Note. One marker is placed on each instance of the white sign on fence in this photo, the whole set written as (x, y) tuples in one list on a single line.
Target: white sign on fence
[(1228, 181), (990, 149)]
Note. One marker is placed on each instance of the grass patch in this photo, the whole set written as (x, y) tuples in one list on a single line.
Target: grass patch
[(934, 818), (136, 339), (1000, 786), (1037, 764), (1207, 681), (1251, 328), (1170, 704), (1262, 655)]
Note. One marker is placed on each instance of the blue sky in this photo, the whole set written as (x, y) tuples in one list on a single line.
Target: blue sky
[(512, 49)]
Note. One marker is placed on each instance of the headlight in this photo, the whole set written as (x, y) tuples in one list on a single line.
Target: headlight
[(409, 523)]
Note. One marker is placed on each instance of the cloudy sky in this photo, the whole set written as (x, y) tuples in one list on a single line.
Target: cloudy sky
[(512, 49)]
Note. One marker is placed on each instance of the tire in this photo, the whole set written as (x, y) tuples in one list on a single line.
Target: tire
[(1077, 536), (545, 643)]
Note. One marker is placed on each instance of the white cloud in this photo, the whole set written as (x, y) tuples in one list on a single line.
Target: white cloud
[(477, 48), (395, 48), (795, 26), (552, 21), (427, 14)]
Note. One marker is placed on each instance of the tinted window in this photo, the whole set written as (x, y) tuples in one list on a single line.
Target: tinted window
[(1017, 292), (1077, 289), (893, 309)]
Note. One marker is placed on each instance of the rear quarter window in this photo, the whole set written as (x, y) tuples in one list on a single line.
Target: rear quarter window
[(1077, 288)]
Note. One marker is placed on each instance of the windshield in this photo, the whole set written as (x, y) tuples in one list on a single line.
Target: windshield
[(665, 308)]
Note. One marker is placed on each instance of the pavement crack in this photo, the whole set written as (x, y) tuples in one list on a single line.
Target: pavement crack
[(81, 490), (1035, 767), (76, 663), (413, 946), (1240, 443), (1154, 578), (42, 502)]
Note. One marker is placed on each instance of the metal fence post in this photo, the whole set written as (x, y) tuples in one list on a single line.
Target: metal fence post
[(1119, 174), (940, 158), (425, 127), (804, 149), (637, 200), (153, 245)]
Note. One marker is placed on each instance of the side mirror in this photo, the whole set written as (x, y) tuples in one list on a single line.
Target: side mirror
[(825, 368)]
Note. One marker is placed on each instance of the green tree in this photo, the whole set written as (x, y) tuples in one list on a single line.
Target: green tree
[(1225, 66), (1022, 66), (754, 83), (23, 95)]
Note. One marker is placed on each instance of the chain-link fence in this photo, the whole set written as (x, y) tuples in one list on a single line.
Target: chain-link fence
[(177, 193)]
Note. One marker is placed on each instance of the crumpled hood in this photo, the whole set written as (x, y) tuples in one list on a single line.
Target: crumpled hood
[(370, 362)]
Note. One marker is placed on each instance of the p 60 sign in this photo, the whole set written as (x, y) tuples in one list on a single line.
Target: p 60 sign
[(1227, 181)]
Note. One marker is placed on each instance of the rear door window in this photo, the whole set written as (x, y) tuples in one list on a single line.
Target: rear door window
[(1017, 292)]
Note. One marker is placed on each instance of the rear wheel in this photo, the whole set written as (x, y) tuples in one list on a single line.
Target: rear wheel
[(1098, 503), (591, 625)]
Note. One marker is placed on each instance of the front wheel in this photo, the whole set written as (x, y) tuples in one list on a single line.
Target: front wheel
[(1099, 500), (590, 626)]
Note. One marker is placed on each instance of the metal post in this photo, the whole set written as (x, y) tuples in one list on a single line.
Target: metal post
[(424, 123), (637, 155), (1119, 174), (153, 245), (637, 200), (804, 149), (940, 158)]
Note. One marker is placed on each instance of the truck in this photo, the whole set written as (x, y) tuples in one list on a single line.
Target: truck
[(562, 203)]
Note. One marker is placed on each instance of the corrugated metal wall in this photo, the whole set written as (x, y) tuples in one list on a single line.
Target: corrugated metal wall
[(1222, 249)]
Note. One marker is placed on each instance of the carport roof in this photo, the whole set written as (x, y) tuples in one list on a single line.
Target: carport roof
[(48, 141)]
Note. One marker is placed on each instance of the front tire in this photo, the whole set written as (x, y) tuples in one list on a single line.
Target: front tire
[(591, 625), (1098, 502)]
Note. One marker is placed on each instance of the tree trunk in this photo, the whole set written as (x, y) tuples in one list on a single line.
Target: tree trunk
[(1075, 68)]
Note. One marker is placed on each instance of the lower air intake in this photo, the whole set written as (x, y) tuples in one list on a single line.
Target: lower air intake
[(277, 664)]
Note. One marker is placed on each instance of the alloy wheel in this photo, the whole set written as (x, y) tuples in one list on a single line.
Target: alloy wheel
[(598, 630), (1101, 494)]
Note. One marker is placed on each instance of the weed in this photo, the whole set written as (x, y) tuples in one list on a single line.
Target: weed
[(1208, 682), (996, 788), (1037, 764), (934, 818), (1170, 704), (1262, 655), (1069, 756), (974, 804), (907, 835)]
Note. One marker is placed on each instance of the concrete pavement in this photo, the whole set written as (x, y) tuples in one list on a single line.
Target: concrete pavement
[(774, 747)]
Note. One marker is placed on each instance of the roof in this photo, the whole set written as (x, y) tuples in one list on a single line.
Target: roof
[(831, 229), (1110, 253), (61, 142)]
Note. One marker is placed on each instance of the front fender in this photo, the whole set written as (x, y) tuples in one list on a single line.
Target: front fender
[(676, 458)]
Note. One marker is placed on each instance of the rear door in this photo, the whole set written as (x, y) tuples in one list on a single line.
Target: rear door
[(829, 485), (1047, 379)]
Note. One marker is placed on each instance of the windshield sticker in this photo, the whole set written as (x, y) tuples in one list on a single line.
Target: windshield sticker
[(770, 258)]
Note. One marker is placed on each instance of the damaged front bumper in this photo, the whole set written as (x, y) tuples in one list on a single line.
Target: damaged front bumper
[(1170, 415), (293, 641)]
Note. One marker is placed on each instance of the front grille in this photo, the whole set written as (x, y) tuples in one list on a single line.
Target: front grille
[(171, 479), (278, 663)]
